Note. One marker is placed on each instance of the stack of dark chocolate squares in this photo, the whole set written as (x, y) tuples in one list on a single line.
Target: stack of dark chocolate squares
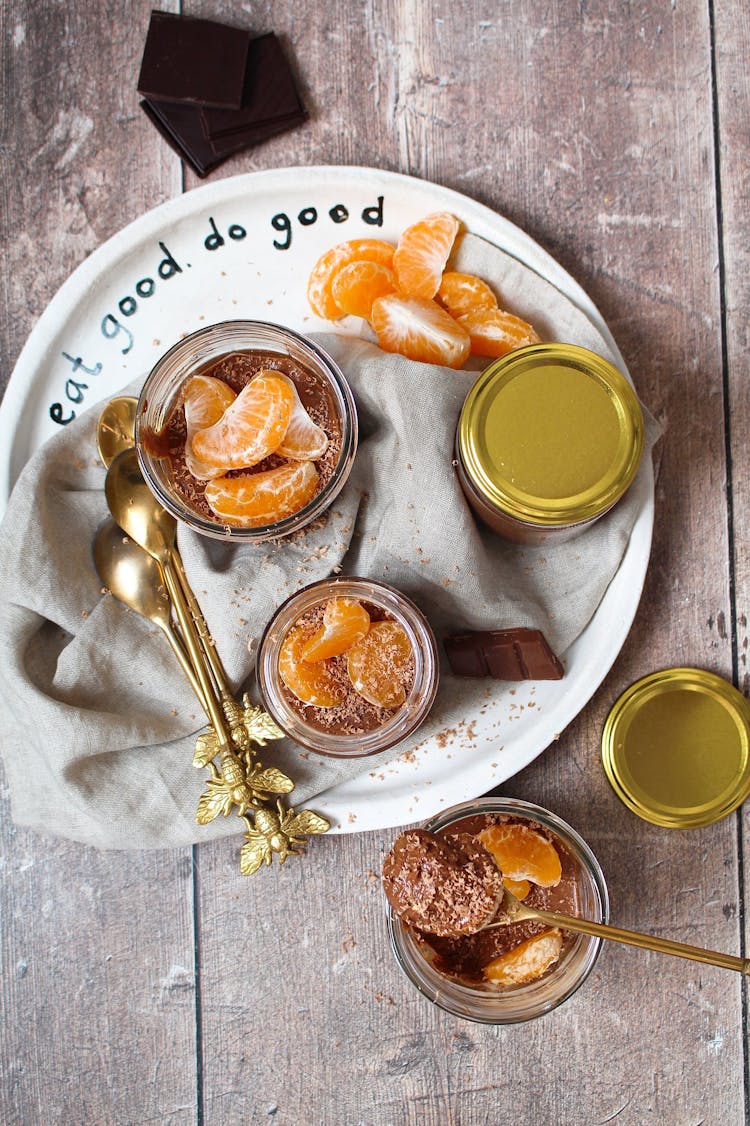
[(213, 90)]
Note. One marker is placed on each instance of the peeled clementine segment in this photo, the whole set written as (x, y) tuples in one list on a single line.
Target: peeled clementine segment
[(494, 332), (519, 888), (379, 664), (357, 285), (523, 853), (464, 293), (263, 498), (319, 291), (312, 684), (422, 252), (345, 621), (304, 439), (527, 961), (251, 428), (419, 330), (205, 399)]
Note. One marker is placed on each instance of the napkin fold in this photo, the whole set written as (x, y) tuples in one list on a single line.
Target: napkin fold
[(97, 722)]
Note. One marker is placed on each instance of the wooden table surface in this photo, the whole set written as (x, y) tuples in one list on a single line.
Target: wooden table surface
[(160, 986)]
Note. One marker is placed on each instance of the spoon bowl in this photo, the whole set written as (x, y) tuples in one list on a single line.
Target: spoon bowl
[(136, 580), (116, 428), (136, 509)]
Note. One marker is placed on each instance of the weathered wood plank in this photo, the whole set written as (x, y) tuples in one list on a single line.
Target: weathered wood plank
[(97, 948), (733, 98)]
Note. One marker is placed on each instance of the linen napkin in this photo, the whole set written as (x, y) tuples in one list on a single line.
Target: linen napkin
[(97, 722)]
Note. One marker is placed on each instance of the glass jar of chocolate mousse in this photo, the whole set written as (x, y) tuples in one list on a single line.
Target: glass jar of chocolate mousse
[(463, 975), (548, 440), (246, 431), (348, 667)]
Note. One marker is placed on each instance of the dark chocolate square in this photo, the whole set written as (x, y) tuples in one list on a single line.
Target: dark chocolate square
[(180, 126), (194, 61), (269, 94)]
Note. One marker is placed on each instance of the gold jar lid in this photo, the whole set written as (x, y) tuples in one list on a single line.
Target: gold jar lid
[(676, 746), (551, 434)]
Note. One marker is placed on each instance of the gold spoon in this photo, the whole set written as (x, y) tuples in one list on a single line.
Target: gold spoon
[(116, 428), (136, 580), (116, 433), (514, 911), (141, 517)]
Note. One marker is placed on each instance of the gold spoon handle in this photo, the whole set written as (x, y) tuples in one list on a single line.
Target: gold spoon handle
[(190, 636), (635, 938), (186, 665), (206, 641)]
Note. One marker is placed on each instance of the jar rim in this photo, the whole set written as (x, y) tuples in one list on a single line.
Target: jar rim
[(407, 717)]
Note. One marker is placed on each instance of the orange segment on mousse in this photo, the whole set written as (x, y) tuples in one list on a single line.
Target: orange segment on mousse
[(311, 683), (378, 664), (527, 961), (263, 498), (523, 853), (304, 440), (345, 621), (252, 427), (205, 399)]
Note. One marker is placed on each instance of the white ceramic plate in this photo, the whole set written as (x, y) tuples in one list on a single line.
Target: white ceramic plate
[(243, 247)]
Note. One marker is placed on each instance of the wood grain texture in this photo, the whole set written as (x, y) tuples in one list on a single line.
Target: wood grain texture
[(592, 126)]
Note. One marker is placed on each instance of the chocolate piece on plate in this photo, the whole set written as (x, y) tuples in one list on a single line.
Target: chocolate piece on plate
[(269, 95), (180, 126), (504, 654), (194, 61)]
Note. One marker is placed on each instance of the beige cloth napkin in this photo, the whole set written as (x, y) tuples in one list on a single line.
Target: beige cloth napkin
[(98, 723)]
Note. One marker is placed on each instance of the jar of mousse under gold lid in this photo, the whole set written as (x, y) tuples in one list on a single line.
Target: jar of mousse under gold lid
[(548, 440)]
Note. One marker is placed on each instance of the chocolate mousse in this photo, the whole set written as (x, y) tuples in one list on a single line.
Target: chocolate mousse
[(445, 887), (237, 369), (344, 710)]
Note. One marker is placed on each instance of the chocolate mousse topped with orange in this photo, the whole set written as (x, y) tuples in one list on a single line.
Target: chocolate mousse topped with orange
[(253, 439), (447, 886), (346, 666)]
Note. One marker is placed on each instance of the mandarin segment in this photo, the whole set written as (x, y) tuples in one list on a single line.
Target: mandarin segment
[(420, 330), (345, 621), (422, 253), (519, 888), (464, 293), (251, 428), (319, 285), (312, 684), (205, 399), (528, 961), (493, 332), (380, 663), (357, 285), (264, 498), (304, 440), (523, 853)]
